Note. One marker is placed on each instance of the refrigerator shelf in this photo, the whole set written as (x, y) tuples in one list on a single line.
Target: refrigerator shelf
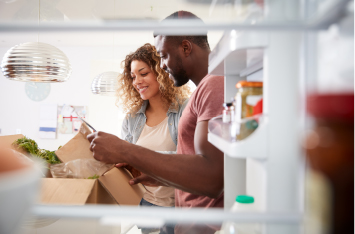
[(239, 50), (169, 215), (254, 146)]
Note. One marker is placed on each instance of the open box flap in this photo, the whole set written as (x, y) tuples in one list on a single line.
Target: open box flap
[(66, 191), (77, 148), (99, 195), (8, 140), (116, 182)]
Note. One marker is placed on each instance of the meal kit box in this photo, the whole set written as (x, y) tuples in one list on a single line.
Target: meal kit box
[(8, 140), (110, 188)]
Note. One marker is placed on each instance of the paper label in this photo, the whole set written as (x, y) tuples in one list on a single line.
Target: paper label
[(251, 101)]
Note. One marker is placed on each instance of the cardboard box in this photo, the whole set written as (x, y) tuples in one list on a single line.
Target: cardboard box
[(8, 140), (111, 188)]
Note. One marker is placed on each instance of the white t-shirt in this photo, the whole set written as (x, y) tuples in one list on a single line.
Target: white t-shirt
[(158, 138)]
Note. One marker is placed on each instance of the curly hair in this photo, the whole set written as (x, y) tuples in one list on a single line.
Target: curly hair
[(129, 98)]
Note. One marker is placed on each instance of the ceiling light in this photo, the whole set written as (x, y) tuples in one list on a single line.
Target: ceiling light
[(105, 84), (36, 62)]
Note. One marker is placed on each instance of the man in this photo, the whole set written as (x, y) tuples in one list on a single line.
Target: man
[(196, 171)]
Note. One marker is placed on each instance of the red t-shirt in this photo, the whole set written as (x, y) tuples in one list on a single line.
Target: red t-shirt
[(204, 104)]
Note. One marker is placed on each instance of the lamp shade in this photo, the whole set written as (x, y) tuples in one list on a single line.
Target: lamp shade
[(36, 62), (106, 83)]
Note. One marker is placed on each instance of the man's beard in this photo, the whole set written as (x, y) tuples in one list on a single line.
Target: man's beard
[(179, 76)]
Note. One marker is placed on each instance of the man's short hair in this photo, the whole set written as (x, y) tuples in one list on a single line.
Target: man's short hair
[(200, 40)]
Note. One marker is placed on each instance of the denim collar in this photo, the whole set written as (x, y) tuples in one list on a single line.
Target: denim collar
[(172, 108), (143, 108)]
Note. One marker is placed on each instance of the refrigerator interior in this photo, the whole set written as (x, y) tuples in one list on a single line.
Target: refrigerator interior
[(293, 47)]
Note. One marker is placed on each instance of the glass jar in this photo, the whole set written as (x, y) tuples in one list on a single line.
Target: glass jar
[(330, 151), (248, 103), (248, 99)]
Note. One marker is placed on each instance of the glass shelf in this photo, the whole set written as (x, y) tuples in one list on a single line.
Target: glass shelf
[(167, 215), (253, 146)]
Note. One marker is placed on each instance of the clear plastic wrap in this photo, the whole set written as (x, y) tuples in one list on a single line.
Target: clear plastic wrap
[(80, 168)]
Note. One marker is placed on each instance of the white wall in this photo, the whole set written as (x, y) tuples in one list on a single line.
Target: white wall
[(90, 54), (17, 111)]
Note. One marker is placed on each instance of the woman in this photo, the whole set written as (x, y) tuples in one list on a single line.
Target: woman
[(153, 106)]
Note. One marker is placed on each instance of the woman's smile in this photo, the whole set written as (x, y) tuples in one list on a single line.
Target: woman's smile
[(142, 89)]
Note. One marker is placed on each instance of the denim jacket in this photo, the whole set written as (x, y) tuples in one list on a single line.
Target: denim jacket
[(132, 127)]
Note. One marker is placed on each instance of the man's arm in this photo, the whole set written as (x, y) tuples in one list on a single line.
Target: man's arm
[(143, 178), (200, 174)]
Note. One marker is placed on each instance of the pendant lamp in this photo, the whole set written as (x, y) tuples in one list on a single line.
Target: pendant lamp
[(105, 83), (36, 62)]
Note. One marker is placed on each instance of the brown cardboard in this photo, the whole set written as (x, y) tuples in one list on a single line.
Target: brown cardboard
[(124, 193), (77, 148), (73, 192), (111, 188), (8, 140), (66, 191), (115, 181)]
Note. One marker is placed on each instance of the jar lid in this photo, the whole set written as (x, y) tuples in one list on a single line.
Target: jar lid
[(331, 106), (245, 83), (244, 199), (227, 104)]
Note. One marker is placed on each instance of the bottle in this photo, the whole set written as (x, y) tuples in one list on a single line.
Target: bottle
[(228, 112), (329, 149), (227, 120), (243, 203)]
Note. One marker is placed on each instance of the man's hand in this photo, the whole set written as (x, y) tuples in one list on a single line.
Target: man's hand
[(106, 147), (135, 173), (139, 177), (146, 180)]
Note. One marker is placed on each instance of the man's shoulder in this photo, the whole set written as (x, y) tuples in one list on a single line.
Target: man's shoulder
[(210, 89), (211, 80)]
